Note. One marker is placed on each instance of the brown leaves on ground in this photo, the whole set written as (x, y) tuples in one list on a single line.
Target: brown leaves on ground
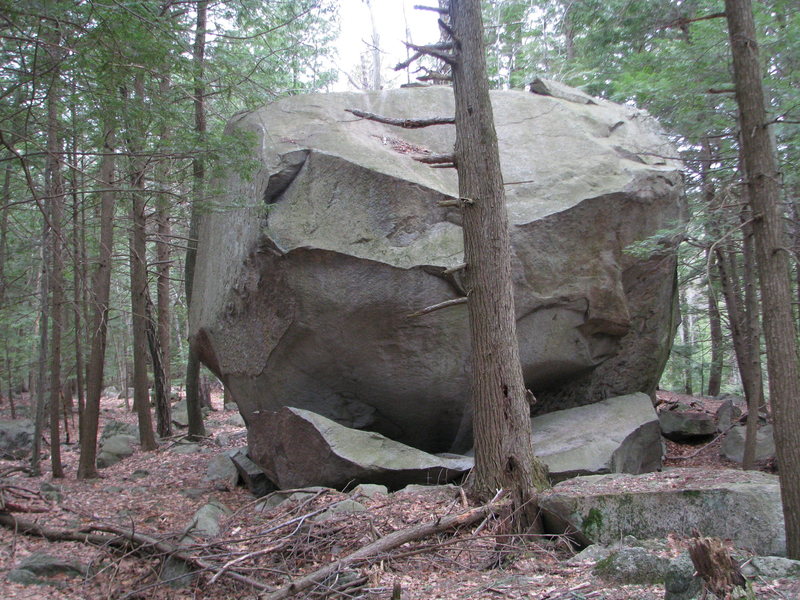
[(156, 494)]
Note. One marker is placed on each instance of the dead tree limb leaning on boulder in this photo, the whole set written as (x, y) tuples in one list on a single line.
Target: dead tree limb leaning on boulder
[(384, 544)]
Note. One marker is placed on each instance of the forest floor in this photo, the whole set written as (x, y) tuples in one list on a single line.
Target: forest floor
[(156, 494)]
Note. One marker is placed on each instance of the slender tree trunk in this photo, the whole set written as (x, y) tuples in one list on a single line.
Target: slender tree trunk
[(755, 395), (195, 414), (41, 377), (101, 292), (714, 317), (78, 264), (504, 457), (779, 332), (55, 197), (686, 345), (717, 347), (163, 408)]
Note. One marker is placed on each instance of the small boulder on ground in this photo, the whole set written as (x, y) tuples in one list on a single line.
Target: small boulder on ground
[(114, 448), (632, 566), (38, 566), (222, 472), (743, 506), (16, 439), (733, 445), (618, 435), (682, 423), (298, 448)]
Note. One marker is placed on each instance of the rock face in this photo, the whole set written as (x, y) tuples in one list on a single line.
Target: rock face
[(743, 506), (309, 266), (618, 435), (298, 448)]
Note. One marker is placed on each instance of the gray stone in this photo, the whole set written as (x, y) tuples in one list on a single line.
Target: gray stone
[(743, 506), (680, 582), (193, 493), (185, 448), (253, 475), (632, 566), (110, 392), (235, 420), (771, 567), (54, 493), (16, 439), (727, 414), (206, 521), (139, 474), (592, 553), (38, 566), (681, 423), (119, 444), (114, 448), (309, 272), (369, 490), (348, 506), (180, 414), (732, 446), (616, 435), (106, 459), (278, 497), (222, 472), (112, 428), (335, 456)]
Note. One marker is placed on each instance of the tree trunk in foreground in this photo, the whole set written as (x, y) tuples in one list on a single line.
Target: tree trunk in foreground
[(763, 185), (504, 457)]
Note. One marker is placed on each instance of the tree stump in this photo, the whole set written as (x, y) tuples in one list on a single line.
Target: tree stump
[(714, 564)]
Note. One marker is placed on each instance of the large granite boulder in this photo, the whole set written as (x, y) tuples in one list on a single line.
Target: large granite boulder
[(743, 506), (310, 264)]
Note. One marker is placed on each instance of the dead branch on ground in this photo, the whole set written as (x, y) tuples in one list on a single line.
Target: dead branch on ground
[(383, 545)]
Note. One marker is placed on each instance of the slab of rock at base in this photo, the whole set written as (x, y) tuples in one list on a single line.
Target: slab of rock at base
[(16, 439), (298, 448), (681, 423), (743, 506), (732, 446), (618, 435)]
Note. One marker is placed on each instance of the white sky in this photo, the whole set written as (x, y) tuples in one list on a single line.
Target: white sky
[(392, 18)]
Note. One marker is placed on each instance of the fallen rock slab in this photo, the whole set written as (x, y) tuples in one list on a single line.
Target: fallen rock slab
[(743, 506), (618, 435), (298, 448)]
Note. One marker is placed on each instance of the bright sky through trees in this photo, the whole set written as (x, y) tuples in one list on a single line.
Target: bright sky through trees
[(393, 19)]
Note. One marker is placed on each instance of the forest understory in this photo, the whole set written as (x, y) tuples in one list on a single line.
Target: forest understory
[(152, 496)]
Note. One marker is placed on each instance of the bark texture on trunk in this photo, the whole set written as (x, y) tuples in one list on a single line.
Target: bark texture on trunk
[(101, 288), (193, 409), (763, 185), (504, 457)]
